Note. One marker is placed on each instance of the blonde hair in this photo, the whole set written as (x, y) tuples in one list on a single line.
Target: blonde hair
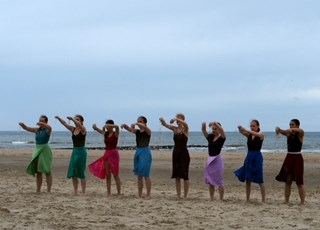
[(180, 115)]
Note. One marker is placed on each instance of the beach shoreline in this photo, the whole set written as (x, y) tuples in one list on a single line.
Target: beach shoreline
[(22, 208)]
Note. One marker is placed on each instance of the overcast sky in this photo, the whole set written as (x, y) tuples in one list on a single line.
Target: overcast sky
[(229, 61)]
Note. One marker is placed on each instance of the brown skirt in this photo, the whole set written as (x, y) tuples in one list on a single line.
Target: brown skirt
[(292, 166)]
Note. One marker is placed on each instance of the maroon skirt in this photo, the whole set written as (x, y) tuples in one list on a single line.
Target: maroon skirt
[(292, 166)]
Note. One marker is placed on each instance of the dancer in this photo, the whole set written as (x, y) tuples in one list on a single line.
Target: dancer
[(41, 161), (252, 169), (109, 163), (78, 160), (214, 167), (292, 168), (142, 157), (180, 154)]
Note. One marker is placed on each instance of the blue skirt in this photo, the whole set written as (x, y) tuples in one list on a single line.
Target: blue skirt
[(142, 162), (252, 169)]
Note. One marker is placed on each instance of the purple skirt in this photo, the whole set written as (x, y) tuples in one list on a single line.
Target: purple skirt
[(214, 171)]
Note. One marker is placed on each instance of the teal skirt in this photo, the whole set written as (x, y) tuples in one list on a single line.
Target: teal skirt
[(78, 162), (41, 160)]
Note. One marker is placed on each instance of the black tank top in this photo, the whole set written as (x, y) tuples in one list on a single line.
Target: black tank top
[(142, 139), (180, 140), (78, 140), (293, 142), (254, 144), (215, 146)]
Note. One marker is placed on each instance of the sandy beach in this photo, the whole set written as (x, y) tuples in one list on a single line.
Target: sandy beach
[(22, 208)]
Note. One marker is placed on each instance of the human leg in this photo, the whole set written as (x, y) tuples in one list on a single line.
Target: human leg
[(178, 187), (221, 192), (118, 183), (287, 189), (302, 193), (39, 181), (263, 192), (248, 189), (140, 185), (83, 185), (185, 188), (148, 185), (75, 185), (211, 192), (49, 182), (108, 177)]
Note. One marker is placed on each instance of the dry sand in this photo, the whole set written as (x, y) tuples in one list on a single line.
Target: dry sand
[(22, 208)]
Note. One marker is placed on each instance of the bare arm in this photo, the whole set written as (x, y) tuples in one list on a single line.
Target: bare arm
[(243, 131), (116, 127), (78, 124), (129, 129), (288, 132), (95, 128), (221, 130), (185, 124), (282, 131), (29, 129), (48, 127), (144, 127), (165, 124), (300, 131), (246, 132), (65, 124), (204, 129)]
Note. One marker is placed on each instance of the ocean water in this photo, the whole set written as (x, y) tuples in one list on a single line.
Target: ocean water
[(160, 140)]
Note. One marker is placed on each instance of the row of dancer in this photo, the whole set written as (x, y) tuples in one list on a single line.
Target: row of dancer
[(108, 164)]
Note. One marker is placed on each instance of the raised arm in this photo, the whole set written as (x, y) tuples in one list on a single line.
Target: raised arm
[(65, 124), (246, 132), (95, 128), (219, 127), (287, 132), (282, 131), (165, 124), (143, 126), (204, 129), (113, 126), (45, 125), (185, 125), (29, 129), (78, 124), (129, 129)]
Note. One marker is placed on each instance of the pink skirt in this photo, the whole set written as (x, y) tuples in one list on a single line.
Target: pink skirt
[(214, 171), (97, 168)]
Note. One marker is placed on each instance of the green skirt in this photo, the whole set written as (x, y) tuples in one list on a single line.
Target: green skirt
[(78, 163), (41, 160)]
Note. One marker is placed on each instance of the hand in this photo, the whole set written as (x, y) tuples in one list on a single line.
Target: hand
[(241, 128), (94, 126), (172, 120), (70, 118), (22, 124), (277, 130), (122, 126), (161, 119)]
